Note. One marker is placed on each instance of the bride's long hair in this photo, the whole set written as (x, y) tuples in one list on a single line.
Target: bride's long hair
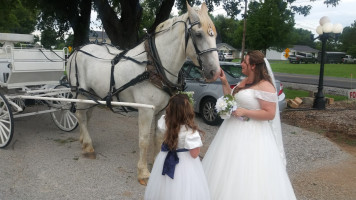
[(178, 112), (256, 58)]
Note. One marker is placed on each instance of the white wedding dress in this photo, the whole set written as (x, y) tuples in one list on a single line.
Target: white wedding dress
[(189, 181), (243, 161)]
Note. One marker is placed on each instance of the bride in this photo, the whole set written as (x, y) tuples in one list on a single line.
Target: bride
[(246, 159)]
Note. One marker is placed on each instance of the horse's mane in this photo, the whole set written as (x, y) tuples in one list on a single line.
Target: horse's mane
[(205, 21)]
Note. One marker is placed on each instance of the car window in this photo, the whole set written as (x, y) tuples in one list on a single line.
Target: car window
[(195, 73), (232, 70)]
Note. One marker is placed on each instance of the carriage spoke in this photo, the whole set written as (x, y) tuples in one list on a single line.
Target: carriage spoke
[(5, 127), (3, 134), (4, 121)]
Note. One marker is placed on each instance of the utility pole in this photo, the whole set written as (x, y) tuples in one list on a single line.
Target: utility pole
[(244, 34)]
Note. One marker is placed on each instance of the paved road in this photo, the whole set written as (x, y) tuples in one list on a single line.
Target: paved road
[(44, 163), (345, 83)]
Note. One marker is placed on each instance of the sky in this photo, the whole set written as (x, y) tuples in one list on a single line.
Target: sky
[(344, 13)]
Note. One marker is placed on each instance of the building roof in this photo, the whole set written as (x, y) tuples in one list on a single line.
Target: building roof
[(226, 45), (304, 48), (99, 34)]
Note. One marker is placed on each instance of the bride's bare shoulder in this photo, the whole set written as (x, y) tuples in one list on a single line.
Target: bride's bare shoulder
[(266, 86)]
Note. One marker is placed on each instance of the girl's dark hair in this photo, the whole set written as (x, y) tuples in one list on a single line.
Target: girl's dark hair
[(178, 112)]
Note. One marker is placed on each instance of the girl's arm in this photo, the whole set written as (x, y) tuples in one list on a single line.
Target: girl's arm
[(194, 152)]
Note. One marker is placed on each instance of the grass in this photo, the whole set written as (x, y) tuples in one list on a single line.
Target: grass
[(292, 93), (332, 70)]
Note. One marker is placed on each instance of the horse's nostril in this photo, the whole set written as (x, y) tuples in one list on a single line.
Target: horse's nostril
[(212, 73)]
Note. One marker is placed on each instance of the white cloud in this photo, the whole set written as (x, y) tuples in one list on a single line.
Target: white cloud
[(344, 13)]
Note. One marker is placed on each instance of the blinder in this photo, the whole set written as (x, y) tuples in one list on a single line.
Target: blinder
[(188, 32)]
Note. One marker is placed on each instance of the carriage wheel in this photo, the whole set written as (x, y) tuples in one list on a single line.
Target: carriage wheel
[(6, 122), (64, 118)]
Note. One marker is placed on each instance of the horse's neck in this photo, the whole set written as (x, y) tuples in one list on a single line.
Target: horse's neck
[(171, 46)]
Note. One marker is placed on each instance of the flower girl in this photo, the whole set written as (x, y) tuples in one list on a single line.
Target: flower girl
[(177, 172)]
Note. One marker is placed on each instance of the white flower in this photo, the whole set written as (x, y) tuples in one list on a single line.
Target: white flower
[(225, 105)]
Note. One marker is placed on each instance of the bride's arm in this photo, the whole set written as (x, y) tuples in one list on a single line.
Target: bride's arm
[(225, 84), (267, 111)]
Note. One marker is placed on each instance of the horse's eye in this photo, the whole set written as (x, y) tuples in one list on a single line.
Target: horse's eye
[(198, 35)]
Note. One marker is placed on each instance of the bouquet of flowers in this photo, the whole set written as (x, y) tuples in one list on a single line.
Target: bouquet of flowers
[(225, 105)]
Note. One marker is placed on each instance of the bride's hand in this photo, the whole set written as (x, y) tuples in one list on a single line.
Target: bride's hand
[(240, 112)]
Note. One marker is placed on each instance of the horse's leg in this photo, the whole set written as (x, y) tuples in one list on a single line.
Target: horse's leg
[(84, 138), (145, 117)]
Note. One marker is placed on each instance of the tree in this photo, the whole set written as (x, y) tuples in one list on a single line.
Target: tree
[(63, 15), (121, 19), (301, 37), (268, 24), (48, 38), (348, 39), (17, 17), (229, 30)]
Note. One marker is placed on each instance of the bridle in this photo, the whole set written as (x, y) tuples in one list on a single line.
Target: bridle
[(198, 52)]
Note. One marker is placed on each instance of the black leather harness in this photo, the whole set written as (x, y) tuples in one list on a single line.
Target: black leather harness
[(155, 71)]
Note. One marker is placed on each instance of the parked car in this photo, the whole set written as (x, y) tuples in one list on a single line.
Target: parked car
[(221, 56), (348, 59), (206, 94), (228, 56), (302, 58)]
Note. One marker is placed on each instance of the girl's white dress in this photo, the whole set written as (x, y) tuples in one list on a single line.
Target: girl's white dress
[(189, 181), (243, 161)]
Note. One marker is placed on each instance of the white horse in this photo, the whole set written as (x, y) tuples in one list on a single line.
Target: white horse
[(192, 35)]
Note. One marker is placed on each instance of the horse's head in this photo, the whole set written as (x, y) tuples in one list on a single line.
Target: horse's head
[(201, 47)]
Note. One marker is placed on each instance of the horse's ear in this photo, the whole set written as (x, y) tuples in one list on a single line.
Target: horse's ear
[(192, 14), (204, 8)]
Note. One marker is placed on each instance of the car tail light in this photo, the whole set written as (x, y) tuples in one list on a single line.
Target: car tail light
[(232, 86), (280, 89)]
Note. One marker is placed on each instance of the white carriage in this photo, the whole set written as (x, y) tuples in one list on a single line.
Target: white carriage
[(36, 75), (29, 73)]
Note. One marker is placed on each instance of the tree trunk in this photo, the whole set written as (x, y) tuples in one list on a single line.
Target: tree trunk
[(163, 14), (82, 24), (122, 32), (244, 34)]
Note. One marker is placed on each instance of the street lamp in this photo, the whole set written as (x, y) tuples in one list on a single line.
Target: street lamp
[(326, 30)]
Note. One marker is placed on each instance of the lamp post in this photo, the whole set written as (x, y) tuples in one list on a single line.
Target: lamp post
[(326, 30)]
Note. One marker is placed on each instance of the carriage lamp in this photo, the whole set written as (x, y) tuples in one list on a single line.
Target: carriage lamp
[(325, 30)]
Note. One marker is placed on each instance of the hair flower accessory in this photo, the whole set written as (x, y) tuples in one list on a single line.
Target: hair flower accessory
[(190, 96)]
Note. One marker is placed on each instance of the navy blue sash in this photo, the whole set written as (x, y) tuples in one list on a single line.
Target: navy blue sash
[(171, 160)]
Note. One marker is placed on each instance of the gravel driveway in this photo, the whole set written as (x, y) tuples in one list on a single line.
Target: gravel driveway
[(43, 162)]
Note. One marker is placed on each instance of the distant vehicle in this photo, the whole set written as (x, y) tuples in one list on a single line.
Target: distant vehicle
[(348, 59), (332, 57), (221, 56), (206, 94), (228, 56), (302, 58)]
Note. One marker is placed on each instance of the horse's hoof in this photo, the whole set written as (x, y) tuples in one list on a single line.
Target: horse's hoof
[(90, 155), (143, 181)]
